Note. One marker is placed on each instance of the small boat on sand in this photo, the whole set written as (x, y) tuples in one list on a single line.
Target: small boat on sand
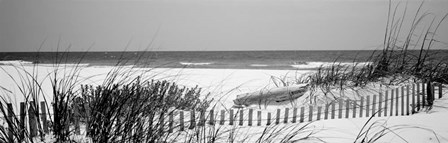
[(278, 94)]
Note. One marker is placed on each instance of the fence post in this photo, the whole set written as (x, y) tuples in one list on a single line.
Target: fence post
[(302, 114), (202, 118), (86, 106), (241, 117), (413, 99), (374, 105), (22, 120), (259, 118), (361, 108), (181, 118), (418, 97), (354, 109), (32, 120), (333, 110), (192, 119), (269, 119), (294, 115), (231, 117), (368, 106), (76, 118), (386, 99), (392, 92), (402, 100), (10, 118), (162, 122), (380, 103), (440, 90), (341, 104), (397, 96), (251, 111), (277, 119), (171, 120), (212, 117), (310, 114), (286, 115), (319, 112), (223, 114), (44, 116), (433, 90), (326, 111), (407, 100), (347, 108), (423, 95)]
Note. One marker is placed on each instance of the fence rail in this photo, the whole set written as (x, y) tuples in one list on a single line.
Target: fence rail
[(411, 99)]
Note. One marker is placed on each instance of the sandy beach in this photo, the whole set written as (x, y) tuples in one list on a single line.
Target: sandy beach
[(223, 86)]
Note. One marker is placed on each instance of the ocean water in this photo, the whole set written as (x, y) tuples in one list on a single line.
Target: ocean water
[(195, 59)]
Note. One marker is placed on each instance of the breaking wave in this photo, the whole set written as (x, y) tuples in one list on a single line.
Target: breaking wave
[(315, 65), (194, 64), (16, 62)]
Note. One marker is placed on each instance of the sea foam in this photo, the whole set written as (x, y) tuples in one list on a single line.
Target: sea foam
[(194, 64), (15, 62), (315, 65)]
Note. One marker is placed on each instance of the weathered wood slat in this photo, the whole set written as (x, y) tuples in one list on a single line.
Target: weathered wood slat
[(397, 96), (44, 116), (368, 106), (386, 100), (32, 120), (319, 112), (347, 108), (392, 102), (231, 117), (361, 107), (251, 112), (374, 105), (268, 122), (22, 120), (277, 118), (310, 113), (212, 117), (417, 95), (408, 103), (10, 117), (181, 123), (223, 117), (192, 119), (302, 114), (402, 101), (171, 122), (294, 115), (423, 95), (241, 118), (341, 107), (380, 105), (354, 109)]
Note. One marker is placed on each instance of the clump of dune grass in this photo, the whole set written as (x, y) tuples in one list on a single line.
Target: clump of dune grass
[(136, 111), (401, 59)]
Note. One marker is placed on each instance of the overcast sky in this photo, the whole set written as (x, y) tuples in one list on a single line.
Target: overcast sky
[(203, 25)]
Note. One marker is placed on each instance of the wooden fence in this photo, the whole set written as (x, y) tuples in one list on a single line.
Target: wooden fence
[(402, 101)]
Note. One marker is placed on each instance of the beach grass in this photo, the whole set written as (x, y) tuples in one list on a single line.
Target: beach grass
[(407, 55)]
